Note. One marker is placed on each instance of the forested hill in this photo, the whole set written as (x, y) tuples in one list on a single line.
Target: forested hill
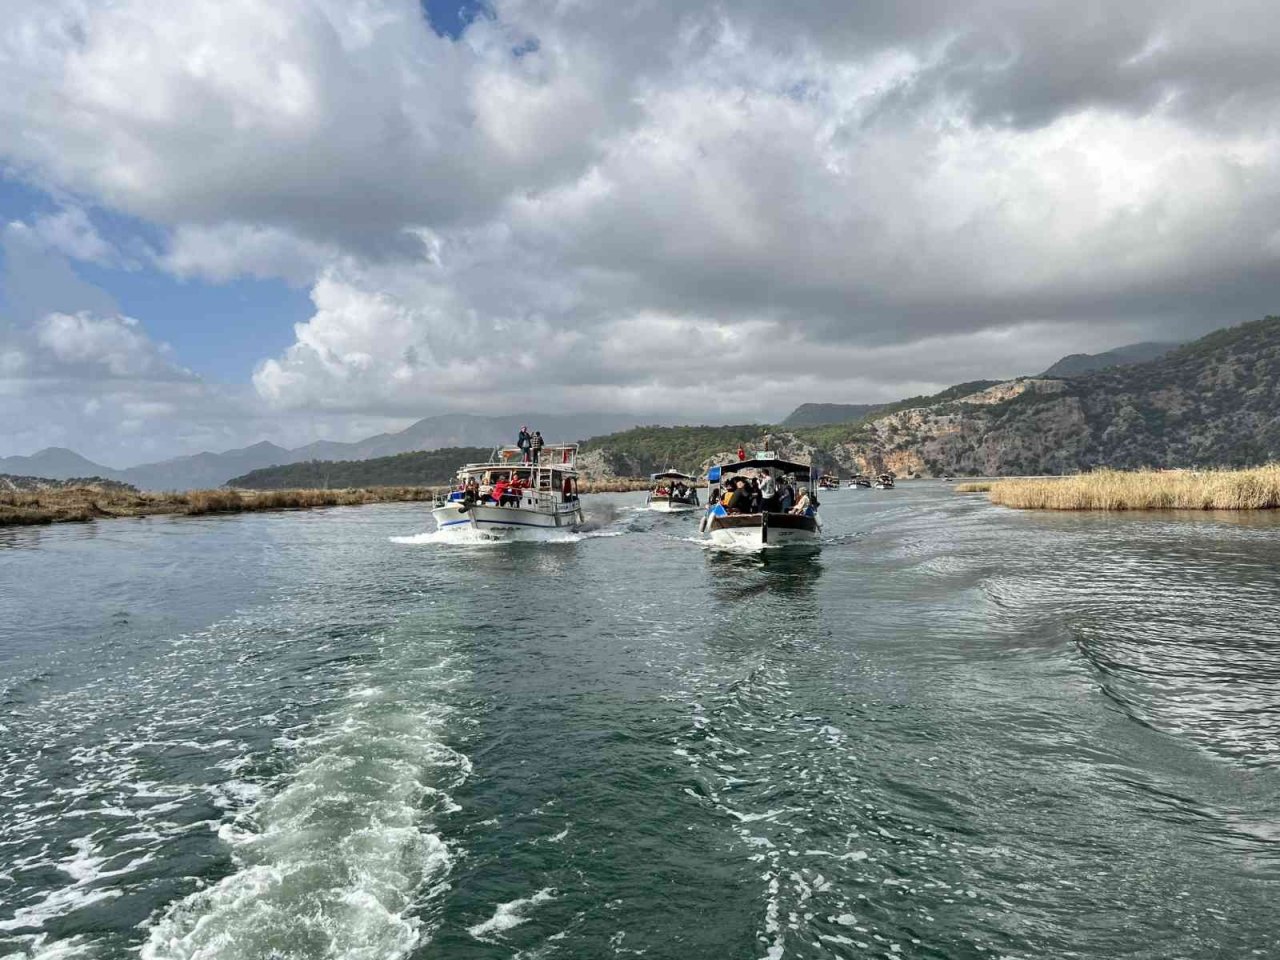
[(423, 468), (816, 414)]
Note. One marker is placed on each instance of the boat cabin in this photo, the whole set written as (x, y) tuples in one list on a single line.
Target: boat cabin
[(507, 478)]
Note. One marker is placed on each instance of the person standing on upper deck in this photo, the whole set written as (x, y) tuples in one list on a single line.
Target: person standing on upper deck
[(523, 442), (535, 445)]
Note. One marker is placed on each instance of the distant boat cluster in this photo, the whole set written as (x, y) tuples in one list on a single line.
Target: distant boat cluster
[(756, 501)]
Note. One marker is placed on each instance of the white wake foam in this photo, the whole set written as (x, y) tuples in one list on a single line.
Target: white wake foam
[(331, 865), (510, 914)]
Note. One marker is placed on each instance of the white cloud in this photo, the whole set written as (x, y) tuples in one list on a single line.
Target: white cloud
[(228, 250), (116, 345), (70, 232)]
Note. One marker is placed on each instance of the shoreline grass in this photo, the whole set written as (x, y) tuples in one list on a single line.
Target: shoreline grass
[(1256, 488), (86, 503), (80, 504)]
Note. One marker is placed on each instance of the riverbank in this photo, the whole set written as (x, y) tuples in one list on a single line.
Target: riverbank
[(1256, 488), (79, 504), (82, 504)]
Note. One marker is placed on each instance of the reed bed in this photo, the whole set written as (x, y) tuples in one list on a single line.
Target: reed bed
[(981, 486), (74, 504), (1256, 488), (78, 504), (614, 485)]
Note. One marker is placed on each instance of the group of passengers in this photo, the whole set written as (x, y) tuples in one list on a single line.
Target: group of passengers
[(505, 490), (765, 494), (530, 445), (676, 491)]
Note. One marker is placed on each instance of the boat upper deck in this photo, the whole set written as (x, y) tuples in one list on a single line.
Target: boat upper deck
[(560, 457)]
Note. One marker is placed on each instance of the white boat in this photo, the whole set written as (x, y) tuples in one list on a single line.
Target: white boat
[(884, 482), (674, 493), (544, 503), (765, 528)]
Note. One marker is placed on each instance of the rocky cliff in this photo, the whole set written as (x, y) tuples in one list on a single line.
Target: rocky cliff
[(1214, 402)]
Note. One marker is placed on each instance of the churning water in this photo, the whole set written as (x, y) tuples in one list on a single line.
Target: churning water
[(953, 731)]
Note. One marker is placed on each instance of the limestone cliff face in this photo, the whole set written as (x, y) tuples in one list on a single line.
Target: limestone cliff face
[(970, 435), (1214, 402)]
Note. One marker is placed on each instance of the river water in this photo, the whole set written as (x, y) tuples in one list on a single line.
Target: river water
[(953, 731)]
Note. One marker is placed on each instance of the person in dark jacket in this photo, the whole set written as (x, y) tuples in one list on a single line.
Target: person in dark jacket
[(754, 490), (535, 445), (740, 501), (523, 441), (786, 497)]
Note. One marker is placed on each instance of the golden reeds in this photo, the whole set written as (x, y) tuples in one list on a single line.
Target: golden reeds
[(980, 486), (89, 503), (1257, 488)]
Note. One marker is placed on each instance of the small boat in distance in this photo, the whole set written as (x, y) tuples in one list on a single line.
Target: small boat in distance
[(828, 482), (674, 493), (505, 498), (763, 524), (858, 481), (884, 482)]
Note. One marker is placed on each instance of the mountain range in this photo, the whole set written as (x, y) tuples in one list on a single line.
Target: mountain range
[(204, 470), (1144, 404)]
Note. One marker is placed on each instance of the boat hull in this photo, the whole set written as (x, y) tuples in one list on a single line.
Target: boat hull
[(759, 530), (492, 522)]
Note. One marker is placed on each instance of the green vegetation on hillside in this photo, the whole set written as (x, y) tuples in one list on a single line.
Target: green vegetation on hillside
[(422, 468), (819, 414), (650, 449)]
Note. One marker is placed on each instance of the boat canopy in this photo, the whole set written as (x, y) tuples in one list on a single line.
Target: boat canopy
[(670, 475), (801, 470)]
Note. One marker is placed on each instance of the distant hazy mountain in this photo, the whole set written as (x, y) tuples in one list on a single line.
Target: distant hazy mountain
[(56, 463), (1078, 364), (203, 470), (814, 414), (463, 430)]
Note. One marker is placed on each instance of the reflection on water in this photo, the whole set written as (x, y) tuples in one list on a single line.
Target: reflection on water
[(784, 572)]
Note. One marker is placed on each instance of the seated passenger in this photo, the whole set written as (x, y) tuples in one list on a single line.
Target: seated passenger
[(802, 505), (740, 499)]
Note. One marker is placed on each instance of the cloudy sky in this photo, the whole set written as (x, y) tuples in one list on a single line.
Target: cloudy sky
[(229, 220)]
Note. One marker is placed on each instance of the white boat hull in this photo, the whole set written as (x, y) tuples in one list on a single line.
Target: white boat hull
[(747, 532), (492, 522)]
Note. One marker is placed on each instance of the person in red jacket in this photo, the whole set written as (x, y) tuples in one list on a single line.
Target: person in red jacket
[(499, 492), (742, 453)]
